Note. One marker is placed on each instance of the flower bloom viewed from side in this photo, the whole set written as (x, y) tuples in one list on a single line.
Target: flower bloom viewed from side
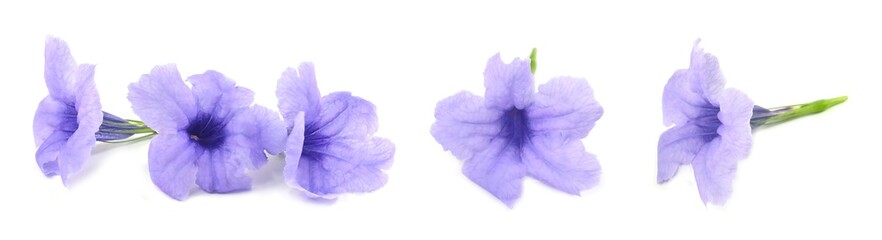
[(66, 121), (330, 149), (208, 134), (712, 125), (515, 131)]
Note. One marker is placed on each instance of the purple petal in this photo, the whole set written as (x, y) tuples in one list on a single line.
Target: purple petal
[(218, 95), (564, 107), (59, 66), (561, 163), (162, 100), (345, 116), (498, 169), (678, 146), (464, 126), (293, 150), (47, 153), (89, 116), (508, 85), (172, 158), (255, 130), (716, 164), (222, 170), (298, 92), (689, 91), (344, 165), (53, 115)]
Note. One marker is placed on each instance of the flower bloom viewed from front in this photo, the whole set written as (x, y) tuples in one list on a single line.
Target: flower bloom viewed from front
[(713, 124), (331, 148), (515, 131), (208, 134)]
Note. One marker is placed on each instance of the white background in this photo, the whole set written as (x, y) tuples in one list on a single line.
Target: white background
[(814, 177)]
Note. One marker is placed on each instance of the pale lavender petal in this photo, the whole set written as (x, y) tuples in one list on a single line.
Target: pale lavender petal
[(58, 69), (47, 153), (162, 100), (293, 150), (345, 116), (254, 130), (564, 107), (498, 169), (508, 85), (218, 95), (705, 72), (298, 92), (678, 146), (53, 115), (343, 166), (172, 163), (222, 170), (89, 116), (464, 126), (561, 163), (716, 164)]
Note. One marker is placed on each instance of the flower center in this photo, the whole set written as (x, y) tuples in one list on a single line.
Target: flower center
[(207, 130), (314, 143), (709, 122), (515, 127)]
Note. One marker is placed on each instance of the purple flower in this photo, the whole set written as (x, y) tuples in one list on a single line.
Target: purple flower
[(208, 134), (514, 131), (66, 121), (330, 148), (713, 124), (712, 127)]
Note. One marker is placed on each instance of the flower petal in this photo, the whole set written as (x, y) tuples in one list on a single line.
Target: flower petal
[(688, 92), (345, 116), (293, 150), (705, 72), (678, 146), (508, 85), (298, 92), (343, 166), (218, 95), (172, 162), (464, 126), (58, 68), (564, 107), (162, 100), (89, 117), (53, 115), (257, 129), (561, 163), (498, 169), (47, 153), (222, 170)]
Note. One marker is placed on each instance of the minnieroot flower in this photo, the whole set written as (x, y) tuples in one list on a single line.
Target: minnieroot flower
[(515, 131), (330, 148), (69, 121), (712, 125), (208, 134)]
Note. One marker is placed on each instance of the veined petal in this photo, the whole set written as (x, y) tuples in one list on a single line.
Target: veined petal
[(298, 92), (218, 95), (508, 85), (47, 153), (257, 129), (222, 170), (293, 150), (345, 116), (58, 69), (344, 165), (715, 167), (172, 162), (564, 107), (498, 169), (678, 146), (89, 116), (705, 72), (561, 163), (464, 126), (53, 115), (162, 100)]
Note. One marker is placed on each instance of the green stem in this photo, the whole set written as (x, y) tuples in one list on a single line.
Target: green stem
[(132, 131), (791, 112), (533, 61)]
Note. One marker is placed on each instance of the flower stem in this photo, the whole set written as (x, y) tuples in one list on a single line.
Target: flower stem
[(776, 115), (114, 129), (533, 61)]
